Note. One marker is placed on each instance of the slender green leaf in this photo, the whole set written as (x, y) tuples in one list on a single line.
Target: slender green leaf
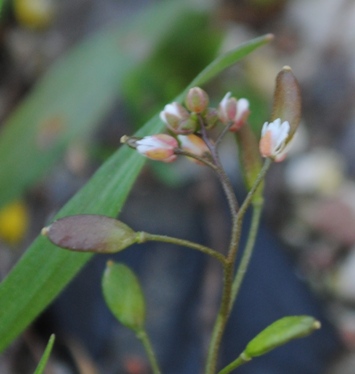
[(43, 362), (45, 269), (75, 94)]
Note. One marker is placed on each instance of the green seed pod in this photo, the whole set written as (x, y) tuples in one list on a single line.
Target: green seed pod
[(250, 159), (279, 333), (123, 295)]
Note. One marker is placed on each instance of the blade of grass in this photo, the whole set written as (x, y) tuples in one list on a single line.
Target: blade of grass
[(44, 270), (75, 94), (43, 362)]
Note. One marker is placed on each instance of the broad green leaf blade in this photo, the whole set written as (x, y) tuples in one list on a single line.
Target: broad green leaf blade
[(124, 296), (44, 270), (74, 95), (43, 362)]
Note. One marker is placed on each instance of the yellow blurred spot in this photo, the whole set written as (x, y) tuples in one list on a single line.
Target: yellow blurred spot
[(35, 14), (14, 222)]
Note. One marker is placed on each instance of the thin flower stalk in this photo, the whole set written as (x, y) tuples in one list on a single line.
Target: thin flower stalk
[(143, 337), (248, 251), (227, 294), (144, 237)]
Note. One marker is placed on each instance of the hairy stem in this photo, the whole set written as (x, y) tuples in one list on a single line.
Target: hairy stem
[(227, 294), (237, 228), (221, 320), (248, 251), (222, 176)]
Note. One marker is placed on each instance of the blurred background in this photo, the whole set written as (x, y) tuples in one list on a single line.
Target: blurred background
[(98, 66)]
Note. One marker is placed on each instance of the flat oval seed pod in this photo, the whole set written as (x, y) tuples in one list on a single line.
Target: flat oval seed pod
[(90, 233)]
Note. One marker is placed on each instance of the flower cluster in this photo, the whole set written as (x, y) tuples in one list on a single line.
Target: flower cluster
[(188, 125)]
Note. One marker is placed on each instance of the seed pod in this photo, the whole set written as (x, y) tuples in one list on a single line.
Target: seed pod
[(124, 296), (90, 233), (279, 333), (287, 100)]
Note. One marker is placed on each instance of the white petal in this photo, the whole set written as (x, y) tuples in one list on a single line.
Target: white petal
[(242, 107)]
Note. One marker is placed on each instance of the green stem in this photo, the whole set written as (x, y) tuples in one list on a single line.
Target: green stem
[(203, 160), (143, 337), (222, 176), (221, 320), (227, 294), (223, 133), (237, 228), (248, 251), (145, 236), (242, 359)]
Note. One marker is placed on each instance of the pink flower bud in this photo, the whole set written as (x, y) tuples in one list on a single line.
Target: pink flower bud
[(197, 100), (273, 139), (173, 116), (158, 147), (193, 144), (232, 110)]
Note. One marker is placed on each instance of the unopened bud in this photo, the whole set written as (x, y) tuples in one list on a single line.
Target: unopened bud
[(197, 100), (193, 144), (159, 147), (211, 118), (188, 126), (173, 115), (233, 111)]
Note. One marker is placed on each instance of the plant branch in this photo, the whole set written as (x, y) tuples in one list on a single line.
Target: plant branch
[(222, 176), (223, 133), (143, 337), (227, 295), (242, 359), (237, 228), (221, 320), (203, 160), (248, 251), (144, 237)]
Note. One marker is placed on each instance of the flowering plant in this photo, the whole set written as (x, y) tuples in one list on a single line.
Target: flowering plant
[(192, 133)]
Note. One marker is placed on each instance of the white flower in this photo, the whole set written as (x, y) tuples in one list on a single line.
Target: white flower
[(273, 139), (232, 110), (174, 115)]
